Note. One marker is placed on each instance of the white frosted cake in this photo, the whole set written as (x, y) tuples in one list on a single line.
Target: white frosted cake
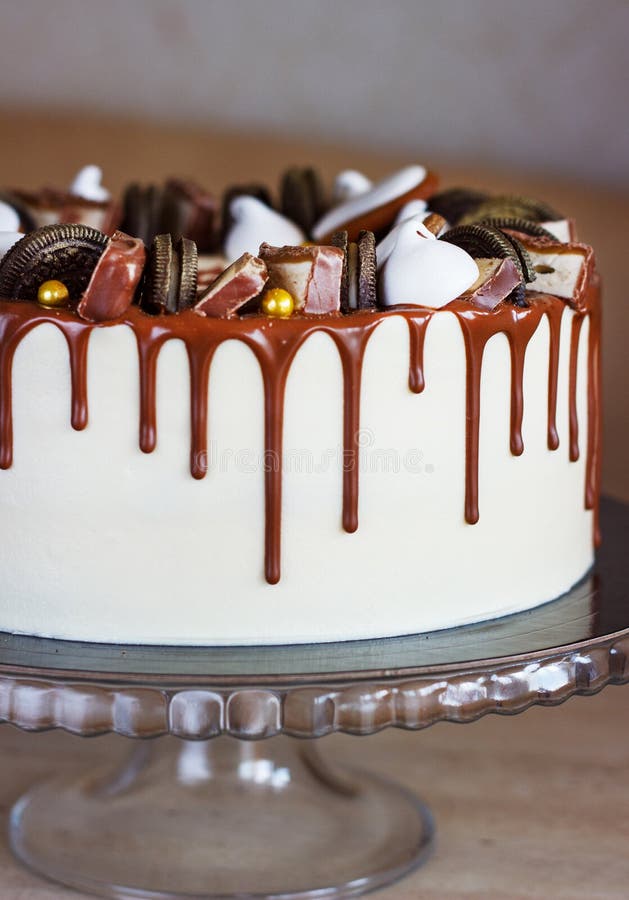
[(364, 412)]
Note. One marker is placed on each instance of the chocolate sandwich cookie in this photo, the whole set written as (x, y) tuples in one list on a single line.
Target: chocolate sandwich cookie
[(141, 211), (65, 252), (302, 197), (524, 226), (339, 239), (510, 207), (454, 203), (367, 271), (359, 276), (485, 242), (259, 191), (170, 281)]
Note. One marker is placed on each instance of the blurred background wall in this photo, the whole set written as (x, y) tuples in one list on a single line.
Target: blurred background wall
[(540, 84)]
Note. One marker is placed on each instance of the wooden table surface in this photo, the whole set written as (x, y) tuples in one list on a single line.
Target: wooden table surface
[(531, 806)]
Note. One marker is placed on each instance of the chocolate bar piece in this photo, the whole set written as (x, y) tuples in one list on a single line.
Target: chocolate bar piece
[(496, 280), (311, 274), (236, 286), (115, 279)]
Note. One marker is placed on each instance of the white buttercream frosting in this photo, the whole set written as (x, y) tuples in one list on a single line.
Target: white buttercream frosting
[(350, 183), (87, 184), (411, 209), (383, 192), (423, 271), (255, 223)]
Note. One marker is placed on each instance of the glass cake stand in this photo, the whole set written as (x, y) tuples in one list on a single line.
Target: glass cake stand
[(212, 810)]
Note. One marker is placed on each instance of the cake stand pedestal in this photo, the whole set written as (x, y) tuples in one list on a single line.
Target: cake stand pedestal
[(212, 810)]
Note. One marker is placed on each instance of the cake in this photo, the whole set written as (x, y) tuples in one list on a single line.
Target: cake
[(336, 414)]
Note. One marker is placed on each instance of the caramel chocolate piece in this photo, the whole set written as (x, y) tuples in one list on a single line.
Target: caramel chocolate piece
[(114, 281), (562, 270), (235, 287), (311, 274), (497, 280), (187, 210), (51, 206), (434, 223)]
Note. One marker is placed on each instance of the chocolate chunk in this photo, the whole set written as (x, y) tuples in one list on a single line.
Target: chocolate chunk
[(141, 209), (311, 274), (115, 279), (497, 280), (234, 288), (339, 239), (367, 270), (171, 276), (259, 191), (64, 252), (302, 197), (187, 210)]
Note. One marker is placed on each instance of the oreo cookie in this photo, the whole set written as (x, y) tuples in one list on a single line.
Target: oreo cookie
[(141, 211), (510, 207), (524, 226), (259, 191), (454, 203), (486, 242), (302, 197), (170, 278), (367, 271), (60, 252), (339, 239)]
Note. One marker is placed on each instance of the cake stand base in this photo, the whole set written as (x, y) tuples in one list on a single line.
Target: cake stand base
[(222, 818)]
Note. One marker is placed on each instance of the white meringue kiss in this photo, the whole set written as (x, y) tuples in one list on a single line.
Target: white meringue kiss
[(423, 271), (87, 184), (383, 192), (9, 219), (255, 223), (350, 183), (7, 239)]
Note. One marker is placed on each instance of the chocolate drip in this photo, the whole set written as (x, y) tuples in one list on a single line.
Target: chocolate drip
[(575, 334), (275, 344), (555, 314), (595, 418), (417, 326)]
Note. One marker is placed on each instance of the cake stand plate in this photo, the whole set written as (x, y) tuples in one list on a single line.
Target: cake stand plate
[(211, 810)]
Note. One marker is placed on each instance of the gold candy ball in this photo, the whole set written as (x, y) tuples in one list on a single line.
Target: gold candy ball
[(53, 294), (278, 304)]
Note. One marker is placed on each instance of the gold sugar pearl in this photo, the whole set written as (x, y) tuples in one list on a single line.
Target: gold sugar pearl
[(53, 294), (278, 304)]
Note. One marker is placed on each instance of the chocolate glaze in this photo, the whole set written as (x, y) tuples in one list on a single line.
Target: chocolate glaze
[(275, 344)]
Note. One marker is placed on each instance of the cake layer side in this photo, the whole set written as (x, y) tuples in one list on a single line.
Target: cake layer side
[(104, 542)]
